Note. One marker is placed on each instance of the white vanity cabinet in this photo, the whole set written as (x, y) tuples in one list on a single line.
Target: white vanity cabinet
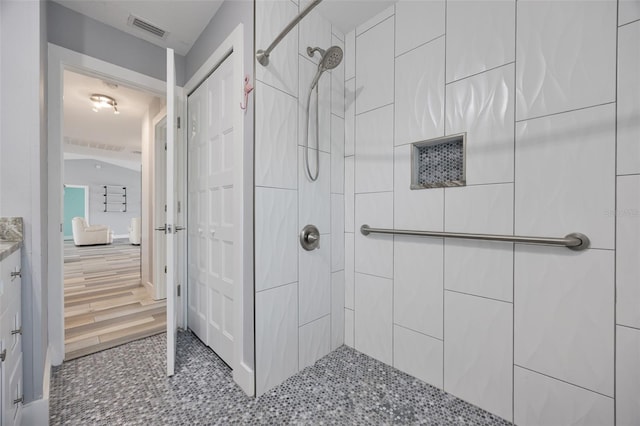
[(10, 340)]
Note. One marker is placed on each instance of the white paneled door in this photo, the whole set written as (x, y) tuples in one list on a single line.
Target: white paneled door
[(211, 211)]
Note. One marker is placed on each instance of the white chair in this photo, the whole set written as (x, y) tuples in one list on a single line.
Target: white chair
[(85, 235), (134, 231)]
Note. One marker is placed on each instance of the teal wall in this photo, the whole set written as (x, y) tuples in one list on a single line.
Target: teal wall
[(73, 206)]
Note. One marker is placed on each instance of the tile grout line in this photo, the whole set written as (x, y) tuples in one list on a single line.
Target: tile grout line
[(418, 46), (513, 215), (615, 225), (488, 70), (565, 112), (563, 381), (444, 209)]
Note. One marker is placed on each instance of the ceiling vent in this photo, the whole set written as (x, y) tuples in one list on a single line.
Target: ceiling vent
[(147, 27)]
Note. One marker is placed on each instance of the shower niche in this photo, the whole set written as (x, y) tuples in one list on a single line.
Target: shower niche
[(438, 163)]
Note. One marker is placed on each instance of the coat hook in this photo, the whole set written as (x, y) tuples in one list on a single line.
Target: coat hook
[(248, 88)]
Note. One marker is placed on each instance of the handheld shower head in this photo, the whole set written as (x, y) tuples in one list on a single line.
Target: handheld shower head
[(329, 59)]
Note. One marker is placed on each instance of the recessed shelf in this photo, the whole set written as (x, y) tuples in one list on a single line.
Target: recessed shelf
[(438, 163)]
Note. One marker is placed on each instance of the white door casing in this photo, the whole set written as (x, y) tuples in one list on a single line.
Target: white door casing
[(159, 205)]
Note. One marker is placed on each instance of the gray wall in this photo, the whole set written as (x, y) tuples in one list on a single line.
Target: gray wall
[(84, 172), (82, 34)]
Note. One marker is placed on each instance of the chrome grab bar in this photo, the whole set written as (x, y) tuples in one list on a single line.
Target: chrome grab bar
[(574, 241)]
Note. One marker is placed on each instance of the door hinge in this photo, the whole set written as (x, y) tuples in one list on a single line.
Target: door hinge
[(165, 208), (178, 122), (61, 228), (178, 206), (179, 290), (3, 355), (165, 269), (165, 146)]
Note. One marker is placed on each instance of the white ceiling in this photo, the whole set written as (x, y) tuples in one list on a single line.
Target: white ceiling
[(103, 134), (183, 19), (347, 14)]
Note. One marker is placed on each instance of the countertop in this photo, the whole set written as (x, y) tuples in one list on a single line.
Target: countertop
[(8, 247), (11, 235)]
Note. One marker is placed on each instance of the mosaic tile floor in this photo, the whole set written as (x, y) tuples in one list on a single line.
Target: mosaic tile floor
[(127, 385)]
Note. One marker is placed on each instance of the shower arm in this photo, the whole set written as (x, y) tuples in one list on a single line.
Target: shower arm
[(263, 55)]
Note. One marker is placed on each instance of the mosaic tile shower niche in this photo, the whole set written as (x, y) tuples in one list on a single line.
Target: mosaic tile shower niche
[(438, 163)]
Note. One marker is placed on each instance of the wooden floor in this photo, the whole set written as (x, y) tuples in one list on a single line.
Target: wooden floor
[(105, 303)]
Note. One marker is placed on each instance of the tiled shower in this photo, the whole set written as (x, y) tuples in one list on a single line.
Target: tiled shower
[(548, 94)]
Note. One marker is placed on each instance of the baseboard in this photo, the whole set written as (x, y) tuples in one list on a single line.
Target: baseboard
[(36, 413), (120, 236), (150, 288)]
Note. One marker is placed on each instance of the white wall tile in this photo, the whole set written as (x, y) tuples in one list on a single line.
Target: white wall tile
[(307, 72), (628, 10), (418, 355), (315, 341), (374, 67), (483, 268), (282, 71), (350, 55), (349, 286), (479, 209), (337, 155), (315, 197), (627, 250), (276, 220), (348, 328), (349, 195), (337, 232), (418, 284), (314, 31), (483, 107), (276, 347), (375, 20), (350, 118), (627, 376), (315, 281), (564, 302), (374, 253), (337, 309), (541, 400), (566, 56), (554, 199), (373, 317), (374, 150), (480, 36), (478, 352), (414, 208), (628, 89), (337, 33), (276, 138), (418, 22), (337, 82), (419, 93)]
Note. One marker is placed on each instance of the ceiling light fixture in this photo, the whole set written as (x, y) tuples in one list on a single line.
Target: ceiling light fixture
[(103, 101)]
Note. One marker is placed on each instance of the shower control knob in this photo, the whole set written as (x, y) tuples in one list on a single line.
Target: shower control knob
[(310, 238)]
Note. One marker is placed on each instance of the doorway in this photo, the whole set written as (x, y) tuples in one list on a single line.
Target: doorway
[(76, 204)]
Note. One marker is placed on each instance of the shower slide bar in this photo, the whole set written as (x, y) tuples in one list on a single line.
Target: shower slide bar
[(263, 55), (574, 241)]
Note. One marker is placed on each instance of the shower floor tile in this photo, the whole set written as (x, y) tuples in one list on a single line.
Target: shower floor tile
[(127, 385)]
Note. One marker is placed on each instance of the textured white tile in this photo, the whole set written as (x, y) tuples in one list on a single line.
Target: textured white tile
[(374, 252), (337, 232), (480, 36), (417, 22), (375, 20), (483, 268), (419, 93), (483, 107), (373, 317), (276, 138), (337, 82), (628, 10), (337, 155), (414, 208), (627, 376), (565, 175), (541, 400), (478, 350), (418, 284), (628, 104), (337, 33), (307, 72), (564, 302), (350, 55), (315, 341), (315, 197), (282, 71), (349, 195), (627, 250), (349, 270), (566, 56), (479, 209), (374, 67), (350, 118), (315, 31), (374, 150), (418, 355), (337, 309), (276, 220), (315, 281), (276, 336), (348, 328)]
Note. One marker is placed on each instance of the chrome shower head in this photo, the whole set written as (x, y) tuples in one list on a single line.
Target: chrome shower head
[(329, 59)]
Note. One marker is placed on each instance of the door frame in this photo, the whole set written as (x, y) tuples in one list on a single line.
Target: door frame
[(243, 372), (86, 201), (59, 60)]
